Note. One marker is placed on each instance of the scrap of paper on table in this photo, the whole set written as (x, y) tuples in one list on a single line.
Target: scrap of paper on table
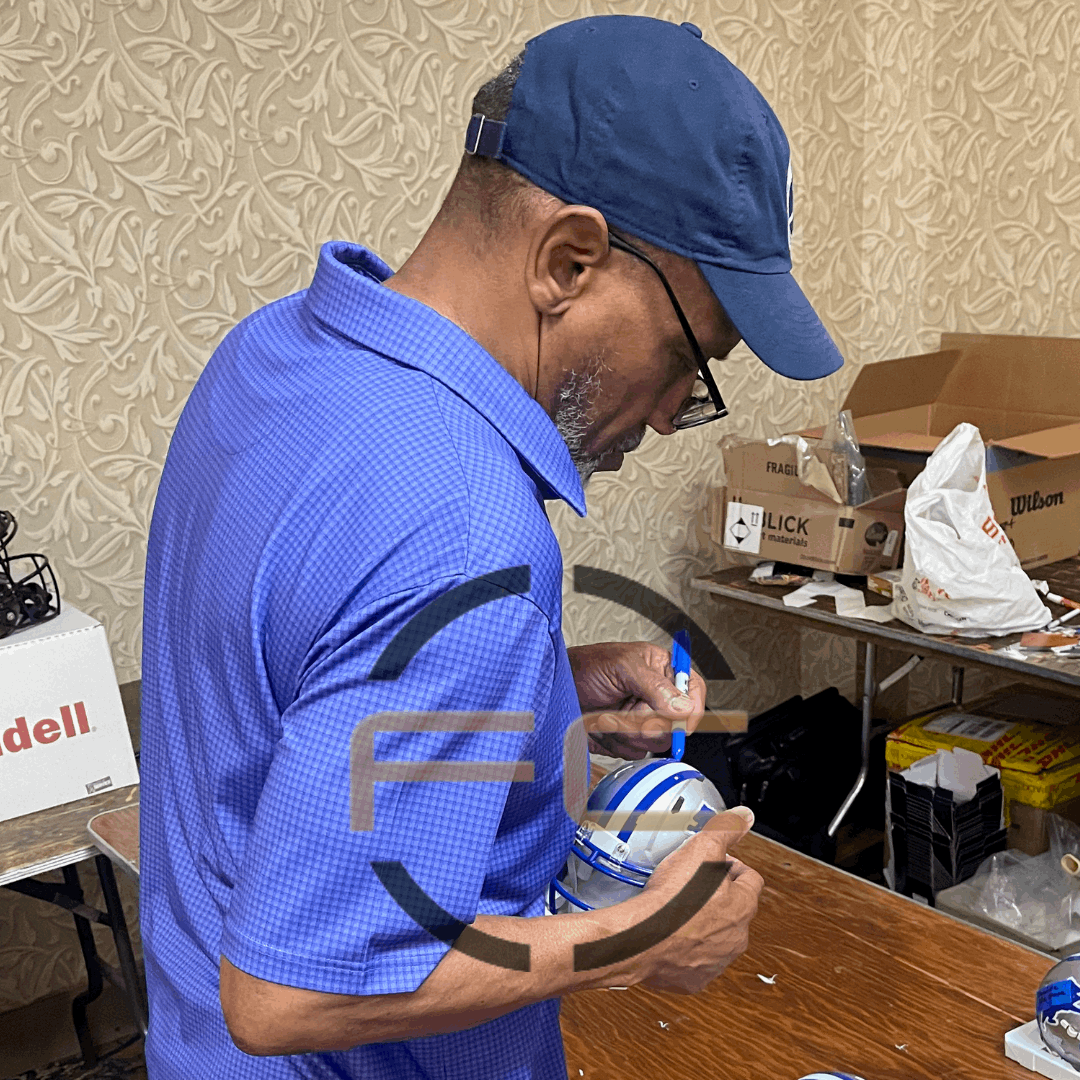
[(850, 603)]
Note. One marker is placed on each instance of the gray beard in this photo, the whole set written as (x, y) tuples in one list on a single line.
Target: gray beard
[(573, 419), (572, 416)]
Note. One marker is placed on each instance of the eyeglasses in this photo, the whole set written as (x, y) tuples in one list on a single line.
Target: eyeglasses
[(705, 403)]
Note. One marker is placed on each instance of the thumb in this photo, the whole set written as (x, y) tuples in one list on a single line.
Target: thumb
[(660, 696), (711, 844), (728, 827)]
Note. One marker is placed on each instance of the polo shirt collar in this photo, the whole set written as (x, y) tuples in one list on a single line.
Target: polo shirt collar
[(345, 294)]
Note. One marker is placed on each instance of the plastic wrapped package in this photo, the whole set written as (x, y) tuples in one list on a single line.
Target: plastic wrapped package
[(1034, 894), (847, 464), (1064, 837), (832, 464)]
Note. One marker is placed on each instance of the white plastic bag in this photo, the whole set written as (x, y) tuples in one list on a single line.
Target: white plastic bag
[(960, 572)]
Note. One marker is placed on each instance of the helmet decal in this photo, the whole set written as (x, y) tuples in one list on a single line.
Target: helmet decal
[(636, 816)]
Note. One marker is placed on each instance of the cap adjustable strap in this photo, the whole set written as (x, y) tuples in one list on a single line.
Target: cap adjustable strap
[(484, 136)]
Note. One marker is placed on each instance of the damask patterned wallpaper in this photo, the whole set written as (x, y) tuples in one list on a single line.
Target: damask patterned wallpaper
[(167, 166)]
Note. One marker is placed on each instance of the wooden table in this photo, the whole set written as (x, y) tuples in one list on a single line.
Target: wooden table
[(57, 839), (866, 982), (116, 834)]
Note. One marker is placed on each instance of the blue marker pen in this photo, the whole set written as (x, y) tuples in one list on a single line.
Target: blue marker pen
[(680, 665)]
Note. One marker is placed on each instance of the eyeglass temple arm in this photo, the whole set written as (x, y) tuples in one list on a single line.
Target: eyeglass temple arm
[(699, 356)]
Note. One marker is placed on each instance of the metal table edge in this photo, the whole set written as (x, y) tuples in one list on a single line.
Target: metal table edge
[(880, 634), (57, 862)]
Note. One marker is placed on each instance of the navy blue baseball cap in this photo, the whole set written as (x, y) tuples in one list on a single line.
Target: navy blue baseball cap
[(647, 123)]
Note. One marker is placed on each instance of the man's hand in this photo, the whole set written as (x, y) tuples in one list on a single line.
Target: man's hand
[(718, 934), (628, 698)]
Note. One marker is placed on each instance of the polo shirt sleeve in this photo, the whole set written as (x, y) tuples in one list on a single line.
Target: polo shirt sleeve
[(308, 908)]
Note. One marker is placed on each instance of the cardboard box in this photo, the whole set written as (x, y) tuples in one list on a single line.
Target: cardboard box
[(1039, 761), (63, 735), (883, 582), (1023, 393), (768, 512), (935, 842)]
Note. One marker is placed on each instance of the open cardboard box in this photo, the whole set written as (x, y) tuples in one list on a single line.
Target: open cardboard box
[(1029, 734), (768, 512), (1023, 393)]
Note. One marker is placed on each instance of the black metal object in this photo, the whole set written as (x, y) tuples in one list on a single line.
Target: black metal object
[(130, 981), (28, 592), (94, 970), (69, 896)]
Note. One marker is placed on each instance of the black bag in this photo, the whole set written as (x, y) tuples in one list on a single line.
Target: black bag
[(793, 767)]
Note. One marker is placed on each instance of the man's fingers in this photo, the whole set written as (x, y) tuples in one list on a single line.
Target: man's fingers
[(642, 720), (727, 828), (615, 747), (639, 721), (747, 880), (697, 696), (660, 695)]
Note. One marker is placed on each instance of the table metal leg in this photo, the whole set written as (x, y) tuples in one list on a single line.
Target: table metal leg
[(129, 971), (867, 715), (93, 970), (871, 688), (957, 686), (69, 896)]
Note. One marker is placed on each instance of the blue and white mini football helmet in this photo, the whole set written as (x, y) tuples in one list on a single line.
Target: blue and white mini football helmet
[(637, 816), (831, 1076)]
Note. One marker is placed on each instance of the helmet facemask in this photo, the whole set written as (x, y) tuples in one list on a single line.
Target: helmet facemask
[(28, 592)]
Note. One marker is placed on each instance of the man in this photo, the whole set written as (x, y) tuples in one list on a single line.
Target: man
[(350, 566)]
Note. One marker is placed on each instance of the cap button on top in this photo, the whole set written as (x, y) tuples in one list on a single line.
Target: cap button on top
[(691, 28)]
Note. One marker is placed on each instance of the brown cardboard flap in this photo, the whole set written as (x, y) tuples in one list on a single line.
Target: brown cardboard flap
[(901, 383), (762, 466), (1015, 373), (902, 440), (994, 424), (1001, 345), (891, 500), (1052, 443), (915, 419)]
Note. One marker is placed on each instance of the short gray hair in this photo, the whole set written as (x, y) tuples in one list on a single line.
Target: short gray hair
[(486, 189), (493, 98)]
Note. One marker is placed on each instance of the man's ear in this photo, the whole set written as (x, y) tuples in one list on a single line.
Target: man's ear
[(567, 249)]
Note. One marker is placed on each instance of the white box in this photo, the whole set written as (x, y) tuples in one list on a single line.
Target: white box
[(63, 735), (1024, 1044)]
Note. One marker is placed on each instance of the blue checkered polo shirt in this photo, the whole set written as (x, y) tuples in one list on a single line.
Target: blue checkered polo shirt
[(347, 466)]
